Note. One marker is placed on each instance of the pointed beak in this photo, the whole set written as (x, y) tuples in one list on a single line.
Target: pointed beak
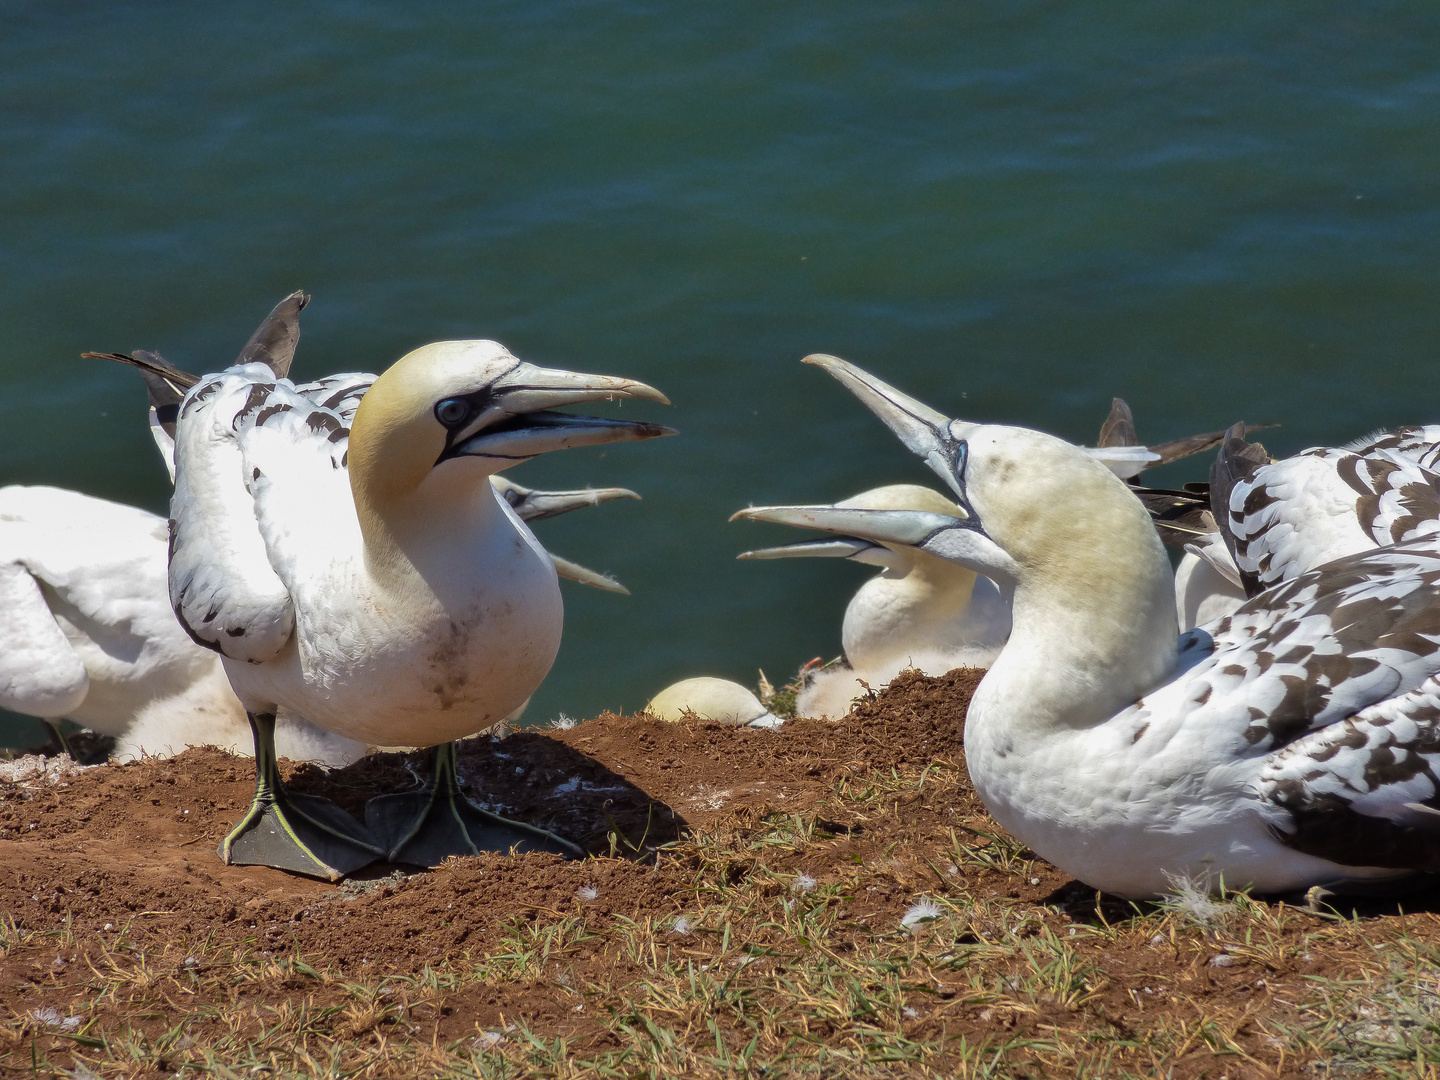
[(932, 436), (575, 572), (957, 540), (517, 424), (528, 388), (532, 505)]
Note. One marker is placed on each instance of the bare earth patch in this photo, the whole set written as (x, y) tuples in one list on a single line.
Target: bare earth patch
[(821, 900)]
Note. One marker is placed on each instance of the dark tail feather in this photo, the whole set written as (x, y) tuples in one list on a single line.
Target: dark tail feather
[(1237, 461), (165, 383), (273, 344), (1176, 449)]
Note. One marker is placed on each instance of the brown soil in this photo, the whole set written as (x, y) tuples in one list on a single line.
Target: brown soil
[(132, 848)]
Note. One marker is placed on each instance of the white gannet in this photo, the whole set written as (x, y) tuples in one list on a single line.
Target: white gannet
[(717, 700), (920, 611), (205, 710), (1294, 743), (371, 578)]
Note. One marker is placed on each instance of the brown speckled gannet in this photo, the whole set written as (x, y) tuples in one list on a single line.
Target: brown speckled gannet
[(1294, 744), (371, 578), (1270, 521)]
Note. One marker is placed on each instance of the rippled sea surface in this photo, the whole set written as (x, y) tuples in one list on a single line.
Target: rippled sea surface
[(1014, 211)]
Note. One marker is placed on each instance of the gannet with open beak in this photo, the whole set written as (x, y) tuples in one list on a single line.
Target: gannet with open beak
[(371, 578), (928, 613), (1293, 744), (920, 611)]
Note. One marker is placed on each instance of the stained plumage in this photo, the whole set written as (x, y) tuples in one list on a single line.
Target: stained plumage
[(1290, 744)]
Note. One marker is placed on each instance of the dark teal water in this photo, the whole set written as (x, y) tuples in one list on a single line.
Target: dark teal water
[(1013, 210)]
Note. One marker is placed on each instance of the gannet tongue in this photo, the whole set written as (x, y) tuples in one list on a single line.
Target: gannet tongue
[(930, 435)]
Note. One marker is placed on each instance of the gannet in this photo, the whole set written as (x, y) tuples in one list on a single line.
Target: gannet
[(927, 613), (920, 611), (1294, 743), (371, 578), (102, 568), (717, 700)]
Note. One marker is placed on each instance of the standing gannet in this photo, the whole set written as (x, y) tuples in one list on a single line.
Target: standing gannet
[(920, 611), (370, 577), (1292, 744)]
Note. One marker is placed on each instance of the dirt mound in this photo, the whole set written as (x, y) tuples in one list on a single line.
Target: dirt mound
[(109, 843)]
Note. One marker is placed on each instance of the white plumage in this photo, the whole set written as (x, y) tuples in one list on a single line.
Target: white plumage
[(88, 634)]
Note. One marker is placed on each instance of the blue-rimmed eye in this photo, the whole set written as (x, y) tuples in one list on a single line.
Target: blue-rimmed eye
[(452, 411)]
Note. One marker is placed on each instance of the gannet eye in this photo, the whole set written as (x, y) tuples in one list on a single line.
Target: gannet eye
[(452, 411)]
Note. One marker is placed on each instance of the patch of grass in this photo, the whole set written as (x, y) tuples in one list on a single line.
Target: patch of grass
[(789, 953)]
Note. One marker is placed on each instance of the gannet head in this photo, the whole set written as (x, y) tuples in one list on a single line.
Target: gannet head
[(473, 406)]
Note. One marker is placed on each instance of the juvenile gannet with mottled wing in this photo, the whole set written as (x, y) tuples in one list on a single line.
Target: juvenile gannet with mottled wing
[(1293, 744), (1267, 522), (920, 611), (370, 577)]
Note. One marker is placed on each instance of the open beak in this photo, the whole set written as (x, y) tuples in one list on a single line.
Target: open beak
[(909, 528), (933, 437), (957, 540), (532, 505), (517, 423)]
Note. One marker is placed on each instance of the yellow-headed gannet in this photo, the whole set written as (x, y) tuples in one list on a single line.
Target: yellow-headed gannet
[(717, 700), (920, 611), (1294, 743), (370, 577)]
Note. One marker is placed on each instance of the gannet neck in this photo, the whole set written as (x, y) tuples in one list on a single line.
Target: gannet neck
[(1094, 611)]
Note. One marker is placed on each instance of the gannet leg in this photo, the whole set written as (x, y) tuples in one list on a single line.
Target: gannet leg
[(65, 748), (426, 826), (301, 833)]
